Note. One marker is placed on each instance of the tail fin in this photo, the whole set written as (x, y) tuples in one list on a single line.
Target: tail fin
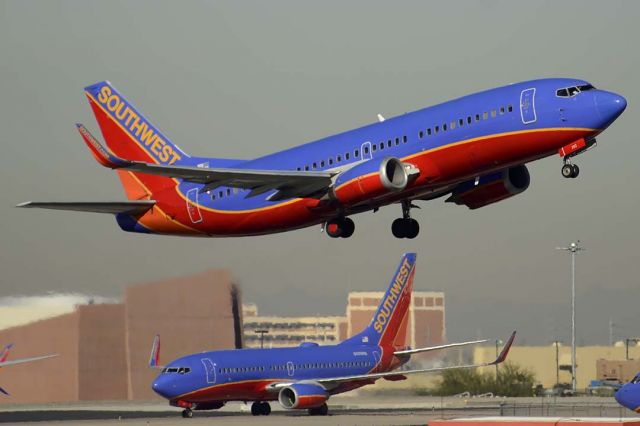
[(388, 325), (154, 357), (5, 352), (129, 135)]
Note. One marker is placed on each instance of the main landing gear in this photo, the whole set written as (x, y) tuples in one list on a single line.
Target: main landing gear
[(341, 227), (322, 410), (405, 227), (187, 413), (260, 408), (570, 170)]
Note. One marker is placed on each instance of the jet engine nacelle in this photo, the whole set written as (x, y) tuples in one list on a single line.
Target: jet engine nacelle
[(372, 179), (491, 188), (302, 396)]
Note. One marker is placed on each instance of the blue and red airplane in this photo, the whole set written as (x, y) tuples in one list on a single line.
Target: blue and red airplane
[(303, 377), (472, 149), (629, 394)]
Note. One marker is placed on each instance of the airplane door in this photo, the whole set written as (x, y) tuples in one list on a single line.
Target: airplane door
[(528, 105), (192, 206), (365, 149), (210, 370), (290, 368)]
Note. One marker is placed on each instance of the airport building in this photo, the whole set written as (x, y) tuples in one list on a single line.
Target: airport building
[(425, 325), (542, 361), (104, 347)]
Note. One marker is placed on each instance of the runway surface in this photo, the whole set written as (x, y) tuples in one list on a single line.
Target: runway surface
[(360, 410)]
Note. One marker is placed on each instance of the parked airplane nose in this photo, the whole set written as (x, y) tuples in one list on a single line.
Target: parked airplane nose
[(624, 398), (162, 387), (609, 105)]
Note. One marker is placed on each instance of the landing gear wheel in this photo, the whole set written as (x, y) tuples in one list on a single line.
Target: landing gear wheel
[(347, 228), (397, 228), (266, 409), (567, 171), (256, 408), (340, 227), (405, 228), (322, 410), (413, 228), (187, 413), (575, 171)]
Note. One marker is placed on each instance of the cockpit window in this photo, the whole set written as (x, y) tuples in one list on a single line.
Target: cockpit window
[(179, 370), (568, 92), (636, 379)]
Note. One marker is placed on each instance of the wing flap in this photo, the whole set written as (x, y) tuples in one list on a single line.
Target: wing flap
[(112, 207)]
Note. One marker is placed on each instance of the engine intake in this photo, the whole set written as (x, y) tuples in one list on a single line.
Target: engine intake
[(393, 175), (491, 188), (302, 396)]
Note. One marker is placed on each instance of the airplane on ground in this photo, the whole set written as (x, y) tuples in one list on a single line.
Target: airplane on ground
[(629, 394), (303, 377), (473, 149), (5, 354)]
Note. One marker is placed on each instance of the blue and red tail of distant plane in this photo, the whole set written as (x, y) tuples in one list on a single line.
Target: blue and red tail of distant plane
[(4, 355), (472, 149), (303, 377)]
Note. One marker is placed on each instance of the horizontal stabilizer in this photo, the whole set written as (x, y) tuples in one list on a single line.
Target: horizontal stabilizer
[(23, 360), (113, 207)]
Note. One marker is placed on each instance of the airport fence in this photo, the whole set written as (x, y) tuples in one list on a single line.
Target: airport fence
[(564, 408)]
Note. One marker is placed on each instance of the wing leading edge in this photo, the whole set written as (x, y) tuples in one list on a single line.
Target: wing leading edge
[(113, 207)]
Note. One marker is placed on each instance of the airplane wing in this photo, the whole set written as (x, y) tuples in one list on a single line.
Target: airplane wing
[(435, 348), (332, 382), (288, 183), (113, 207), (23, 360)]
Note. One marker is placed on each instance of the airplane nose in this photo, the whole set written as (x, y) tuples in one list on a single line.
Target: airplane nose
[(609, 105), (162, 387)]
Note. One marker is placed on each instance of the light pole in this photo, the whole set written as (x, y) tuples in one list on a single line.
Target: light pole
[(261, 333), (573, 248)]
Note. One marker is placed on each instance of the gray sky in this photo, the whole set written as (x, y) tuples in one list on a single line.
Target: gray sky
[(242, 79)]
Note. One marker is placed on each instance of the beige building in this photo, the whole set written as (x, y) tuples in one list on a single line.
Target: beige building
[(291, 331), (104, 347), (542, 360), (425, 325)]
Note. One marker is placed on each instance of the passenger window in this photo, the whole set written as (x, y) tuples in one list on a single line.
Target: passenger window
[(213, 197), (477, 117), (501, 110), (306, 168), (493, 113), (339, 158), (404, 139), (366, 149), (220, 194), (436, 129), (314, 165), (228, 191), (298, 169), (374, 148), (461, 122), (381, 145), (346, 156), (235, 190), (356, 153), (485, 115), (429, 131), (389, 143), (330, 161), (444, 127), (469, 120), (420, 134), (322, 163), (453, 125), (510, 108)]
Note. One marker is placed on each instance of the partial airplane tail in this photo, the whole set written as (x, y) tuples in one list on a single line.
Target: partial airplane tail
[(388, 326), (129, 135)]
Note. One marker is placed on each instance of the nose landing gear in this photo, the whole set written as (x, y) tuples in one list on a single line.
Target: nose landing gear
[(570, 170), (405, 227)]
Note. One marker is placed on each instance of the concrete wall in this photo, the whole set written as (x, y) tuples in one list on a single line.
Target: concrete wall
[(191, 314), (49, 380), (101, 353)]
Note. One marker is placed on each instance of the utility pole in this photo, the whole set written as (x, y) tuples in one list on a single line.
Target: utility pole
[(573, 248), (557, 344), (610, 332), (261, 333)]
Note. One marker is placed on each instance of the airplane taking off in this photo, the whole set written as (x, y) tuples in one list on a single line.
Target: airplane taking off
[(472, 149), (629, 394), (303, 377), (5, 354)]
